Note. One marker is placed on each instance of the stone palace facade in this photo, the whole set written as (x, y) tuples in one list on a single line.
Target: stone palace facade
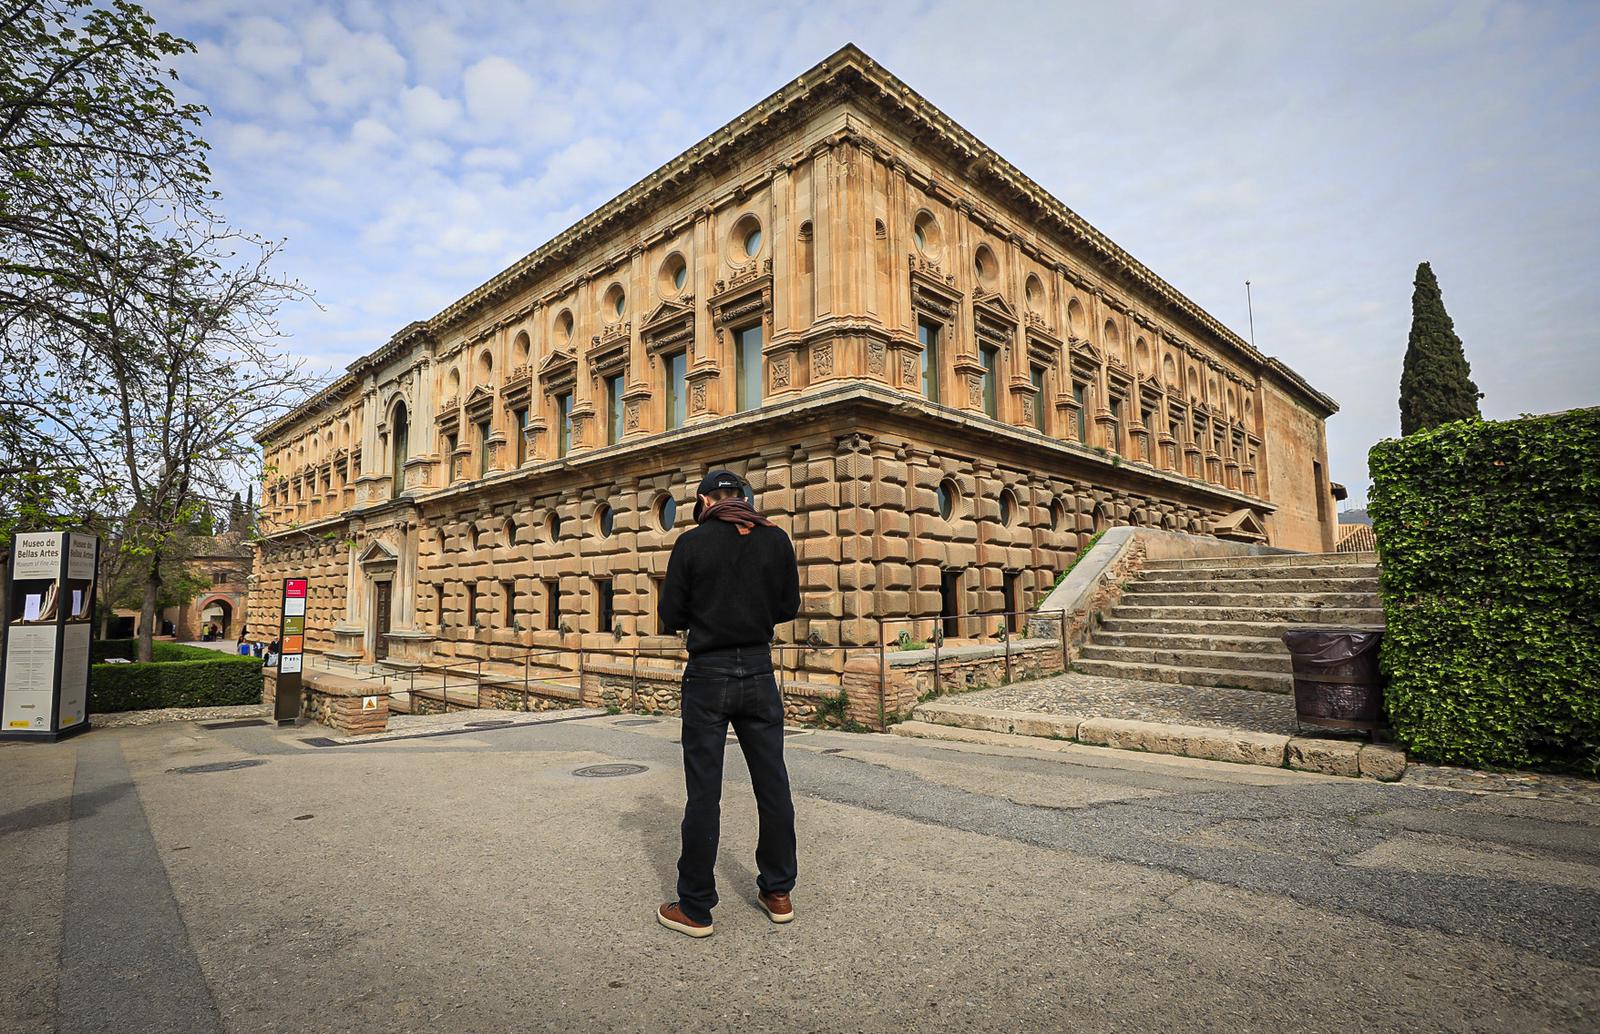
[(937, 377)]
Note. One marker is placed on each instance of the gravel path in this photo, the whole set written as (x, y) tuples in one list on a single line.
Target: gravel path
[(177, 714)]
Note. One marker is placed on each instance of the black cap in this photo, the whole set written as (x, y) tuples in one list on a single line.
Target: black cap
[(713, 481)]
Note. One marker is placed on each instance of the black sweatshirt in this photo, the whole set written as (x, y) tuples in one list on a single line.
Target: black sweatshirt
[(729, 589)]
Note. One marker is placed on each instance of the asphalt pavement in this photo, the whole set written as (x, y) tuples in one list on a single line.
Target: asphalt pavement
[(180, 878)]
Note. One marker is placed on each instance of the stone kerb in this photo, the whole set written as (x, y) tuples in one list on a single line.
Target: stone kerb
[(348, 706), (1094, 586)]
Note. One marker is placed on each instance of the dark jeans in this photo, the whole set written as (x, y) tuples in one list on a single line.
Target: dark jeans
[(734, 685)]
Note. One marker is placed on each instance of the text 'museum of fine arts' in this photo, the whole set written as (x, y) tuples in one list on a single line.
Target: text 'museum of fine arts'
[(935, 376)]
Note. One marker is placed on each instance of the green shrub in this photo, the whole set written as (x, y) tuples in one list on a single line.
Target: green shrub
[(213, 681), (127, 649), (1489, 537)]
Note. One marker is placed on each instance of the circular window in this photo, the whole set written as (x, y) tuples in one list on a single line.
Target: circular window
[(1034, 293), (605, 518), (564, 326), (552, 526), (472, 536), (485, 366), (925, 233), (1057, 513), (522, 346), (1008, 506), (674, 274), (747, 236), (511, 531), (616, 301), (986, 266), (947, 498), (666, 512)]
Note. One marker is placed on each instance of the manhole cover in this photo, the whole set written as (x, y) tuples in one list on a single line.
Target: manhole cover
[(219, 766), (607, 771), (489, 723), (243, 723), (638, 721)]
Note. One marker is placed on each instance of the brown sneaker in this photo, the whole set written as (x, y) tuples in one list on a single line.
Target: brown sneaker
[(777, 906), (671, 916)]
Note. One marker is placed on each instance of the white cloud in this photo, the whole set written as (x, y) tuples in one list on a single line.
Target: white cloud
[(426, 111), (498, 93)]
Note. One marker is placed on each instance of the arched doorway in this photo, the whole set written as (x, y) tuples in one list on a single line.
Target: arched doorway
[(215, 615)]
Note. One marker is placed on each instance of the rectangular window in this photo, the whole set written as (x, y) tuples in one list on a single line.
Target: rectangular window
[(747, 360), (521, 416), (1078, 393), (677, 397), (1114, 442), (563, 423), (472, 605), (1036, 376), (656, 584), (451, 443), (991, 372), (483, 447), (950, 602), (614, 409), (438, 605), (508, 599), (1009, 584), (928, 337), (552, 604), (605, 604)]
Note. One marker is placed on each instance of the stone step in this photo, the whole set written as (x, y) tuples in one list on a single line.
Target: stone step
[(1267, 561), (1215, 627), (1269, 682), (1277, 663), (1258, 614), (1160, 582), (1275, 600), (1161, 640), (1201, 575)]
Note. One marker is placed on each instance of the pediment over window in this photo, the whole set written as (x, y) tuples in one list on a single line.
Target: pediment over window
[(377, 554), (668, 312), (669, 327), (1240, 526), (480, 402), (1086, 357), (994, 305), (559, 370)]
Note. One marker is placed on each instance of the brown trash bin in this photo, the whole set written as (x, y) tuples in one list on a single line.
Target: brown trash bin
[(1337, 684)]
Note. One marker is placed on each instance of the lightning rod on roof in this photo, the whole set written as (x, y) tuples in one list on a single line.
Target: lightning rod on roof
[(1250, 307)]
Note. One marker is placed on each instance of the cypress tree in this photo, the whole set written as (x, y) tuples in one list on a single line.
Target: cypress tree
[(1436, 384)]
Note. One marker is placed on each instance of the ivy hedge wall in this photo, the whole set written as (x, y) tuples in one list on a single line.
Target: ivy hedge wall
[(1489, 537), (178, 676)]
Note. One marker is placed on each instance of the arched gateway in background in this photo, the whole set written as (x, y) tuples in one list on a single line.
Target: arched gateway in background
[(938, 378)]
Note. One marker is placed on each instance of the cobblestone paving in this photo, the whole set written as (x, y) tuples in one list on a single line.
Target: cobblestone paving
[(1539, 785), (1091, 696)]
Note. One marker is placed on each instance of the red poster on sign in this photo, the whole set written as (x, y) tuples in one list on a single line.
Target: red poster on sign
[(294, 588)]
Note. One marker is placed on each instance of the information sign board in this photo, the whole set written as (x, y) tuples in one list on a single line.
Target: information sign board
[(48, 611), (292, 644)]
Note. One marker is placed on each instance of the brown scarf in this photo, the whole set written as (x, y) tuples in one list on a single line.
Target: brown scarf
[(737, 512)]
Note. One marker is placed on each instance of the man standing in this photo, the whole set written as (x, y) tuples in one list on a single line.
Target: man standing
[(729, 581)]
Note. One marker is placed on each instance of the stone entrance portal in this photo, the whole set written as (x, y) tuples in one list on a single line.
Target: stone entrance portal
[(381, 596)]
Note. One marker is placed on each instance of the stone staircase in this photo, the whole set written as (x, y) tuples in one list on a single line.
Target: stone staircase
[(1219, 621)]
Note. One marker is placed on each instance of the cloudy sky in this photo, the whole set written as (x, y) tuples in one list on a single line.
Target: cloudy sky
[(410, 150)]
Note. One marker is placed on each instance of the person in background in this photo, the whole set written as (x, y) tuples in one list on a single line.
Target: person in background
[(729, 581)]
